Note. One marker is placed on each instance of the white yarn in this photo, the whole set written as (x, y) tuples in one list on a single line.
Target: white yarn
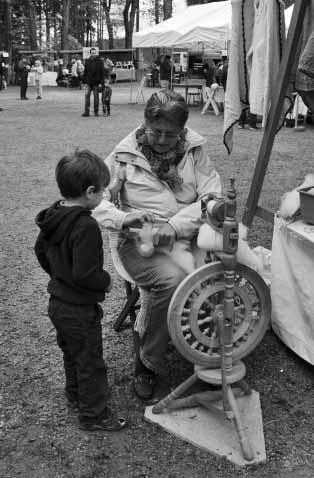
[(290, 201)]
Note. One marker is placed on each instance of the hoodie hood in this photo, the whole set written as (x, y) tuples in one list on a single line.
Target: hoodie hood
[(57, 220)]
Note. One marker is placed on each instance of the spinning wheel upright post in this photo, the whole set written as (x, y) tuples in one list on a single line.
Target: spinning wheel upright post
[(229, 260), (218, 315)]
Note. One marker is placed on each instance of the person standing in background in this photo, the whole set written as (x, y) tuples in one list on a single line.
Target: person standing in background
[(80, 72), (94, 78), (38, 69), (1, 73), (209, 72), (23, 74), (166, 72), (74, 74), (106, 97)]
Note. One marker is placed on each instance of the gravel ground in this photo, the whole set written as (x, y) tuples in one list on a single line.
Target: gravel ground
[(39, 436)]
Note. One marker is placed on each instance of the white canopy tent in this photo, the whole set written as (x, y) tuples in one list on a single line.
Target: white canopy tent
[(209, 24)]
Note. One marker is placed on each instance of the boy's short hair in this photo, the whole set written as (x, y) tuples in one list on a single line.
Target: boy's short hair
[(76, 172)]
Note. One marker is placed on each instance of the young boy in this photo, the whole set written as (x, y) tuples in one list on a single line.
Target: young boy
[(106, 97), (70, 249)]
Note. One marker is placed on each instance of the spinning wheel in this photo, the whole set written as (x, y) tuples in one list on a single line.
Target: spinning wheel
[(217, 316), (194, 308)]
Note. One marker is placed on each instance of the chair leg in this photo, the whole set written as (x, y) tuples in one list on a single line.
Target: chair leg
[(129, 306)]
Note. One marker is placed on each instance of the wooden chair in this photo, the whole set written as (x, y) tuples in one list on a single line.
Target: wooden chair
[(209, 95), (133, 292)]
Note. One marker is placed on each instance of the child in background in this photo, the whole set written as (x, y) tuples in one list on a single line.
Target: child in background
[(70, 249), (106, 97), (38, 69)]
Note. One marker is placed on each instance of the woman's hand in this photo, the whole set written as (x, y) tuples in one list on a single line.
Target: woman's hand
[(164, 235), (137, 219)]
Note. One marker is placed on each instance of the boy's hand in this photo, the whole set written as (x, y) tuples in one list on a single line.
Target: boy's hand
[(137, 219)]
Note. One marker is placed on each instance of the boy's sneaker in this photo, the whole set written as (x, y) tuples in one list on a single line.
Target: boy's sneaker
[(109, 422), (106, 424), (85, 114)]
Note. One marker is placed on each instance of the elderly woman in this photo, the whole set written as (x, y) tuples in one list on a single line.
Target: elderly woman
[(162, 172)]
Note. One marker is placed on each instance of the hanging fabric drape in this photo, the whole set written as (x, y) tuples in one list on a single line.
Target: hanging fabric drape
[(257, 42)]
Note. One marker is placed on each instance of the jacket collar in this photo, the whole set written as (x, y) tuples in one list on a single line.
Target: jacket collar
[(129, 145)]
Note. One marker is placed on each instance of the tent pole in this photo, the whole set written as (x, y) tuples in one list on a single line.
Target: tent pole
[(131, 86), (171, 72)]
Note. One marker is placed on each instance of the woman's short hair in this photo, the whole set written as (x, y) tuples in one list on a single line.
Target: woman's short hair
[(76, 172), (167, 105)]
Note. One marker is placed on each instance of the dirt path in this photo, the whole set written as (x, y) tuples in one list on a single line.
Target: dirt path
[(39, 437)]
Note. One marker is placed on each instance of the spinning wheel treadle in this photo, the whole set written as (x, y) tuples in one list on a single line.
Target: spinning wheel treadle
[(195, 305)]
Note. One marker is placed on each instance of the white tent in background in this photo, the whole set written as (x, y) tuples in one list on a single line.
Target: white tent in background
[(209, 24)]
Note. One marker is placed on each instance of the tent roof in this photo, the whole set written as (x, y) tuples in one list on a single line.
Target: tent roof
[(209, 24)]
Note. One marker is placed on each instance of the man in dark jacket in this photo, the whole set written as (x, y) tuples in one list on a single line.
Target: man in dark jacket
[(23, 73), (166, 72), (94, 74)]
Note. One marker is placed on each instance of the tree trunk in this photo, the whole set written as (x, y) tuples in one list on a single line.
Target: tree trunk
[(65, 24), (32, 24), (167, 9), (47, 20), (5, 26), (157, 8), (106, 6), (65, 29), (129, 12)]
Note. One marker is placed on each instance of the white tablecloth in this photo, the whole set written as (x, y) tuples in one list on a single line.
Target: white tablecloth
[(49, 78), (292, 286), (124, 74)]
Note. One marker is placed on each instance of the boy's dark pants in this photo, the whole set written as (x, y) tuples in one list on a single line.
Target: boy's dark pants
[(106, 107), (79, 337)]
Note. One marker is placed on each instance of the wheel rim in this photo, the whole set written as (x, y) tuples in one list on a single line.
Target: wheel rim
[(192, 313)]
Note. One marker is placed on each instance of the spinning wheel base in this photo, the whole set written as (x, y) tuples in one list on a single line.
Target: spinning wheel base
[(213, 433)]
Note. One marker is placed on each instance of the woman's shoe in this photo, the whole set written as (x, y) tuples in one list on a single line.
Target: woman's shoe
[(144, 385)]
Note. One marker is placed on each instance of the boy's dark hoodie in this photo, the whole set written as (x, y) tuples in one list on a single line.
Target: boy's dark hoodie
[(70, 249)]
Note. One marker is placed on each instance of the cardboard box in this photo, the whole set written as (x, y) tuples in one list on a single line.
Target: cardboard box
[(307, 204)]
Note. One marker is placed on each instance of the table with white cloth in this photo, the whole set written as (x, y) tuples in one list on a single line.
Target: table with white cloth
[(48, 78), (124, 74), (292, 286)]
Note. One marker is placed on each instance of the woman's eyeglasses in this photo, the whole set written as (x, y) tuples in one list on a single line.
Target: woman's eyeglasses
[(160, 134)]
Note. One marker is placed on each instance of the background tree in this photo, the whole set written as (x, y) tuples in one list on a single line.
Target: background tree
[(167, 9), (129, 12)]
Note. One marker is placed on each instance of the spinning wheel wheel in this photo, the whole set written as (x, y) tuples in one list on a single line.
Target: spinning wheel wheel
[(194, 308)]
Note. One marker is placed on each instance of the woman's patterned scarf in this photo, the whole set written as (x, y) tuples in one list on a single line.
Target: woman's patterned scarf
[(164, 165)]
